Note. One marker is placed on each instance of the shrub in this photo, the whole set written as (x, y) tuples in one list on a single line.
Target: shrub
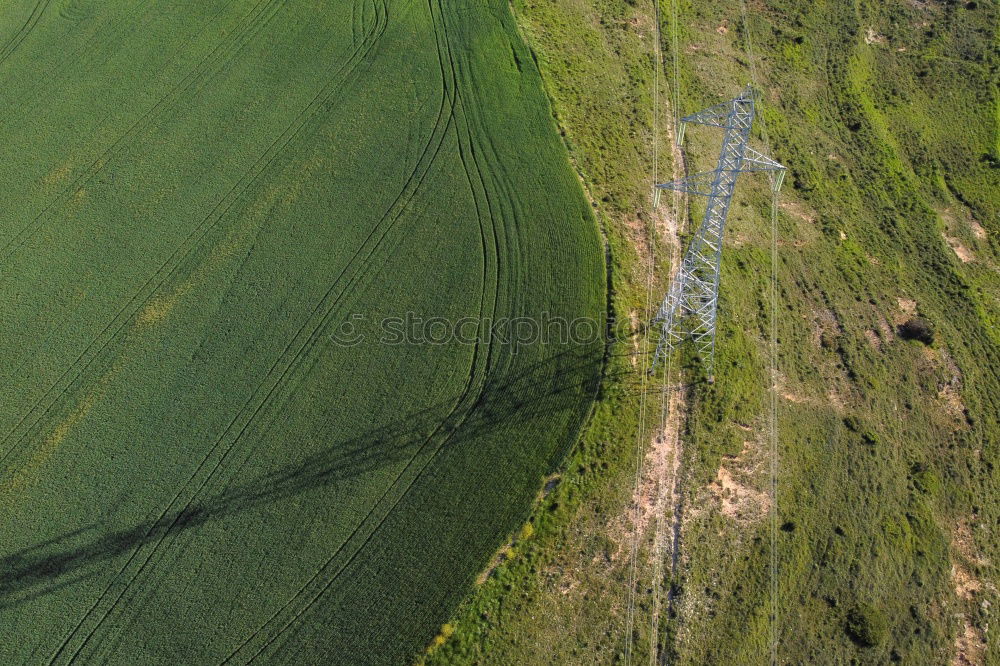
[(927, 482), (917, 328), (867, 626), (446, 632)]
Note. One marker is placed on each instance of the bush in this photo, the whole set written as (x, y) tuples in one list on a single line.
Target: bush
[(917, 328), (446, 632), (927, 482), (867, 626)]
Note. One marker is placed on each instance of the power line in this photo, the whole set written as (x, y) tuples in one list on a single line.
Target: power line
[(658, 508), (773, 432), (773, 451), (633, 574), (690, 308)]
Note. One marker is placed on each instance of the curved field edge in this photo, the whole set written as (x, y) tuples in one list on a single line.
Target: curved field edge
[(198, 466)]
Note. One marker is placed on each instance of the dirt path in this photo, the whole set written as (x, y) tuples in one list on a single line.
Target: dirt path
[(667, 448)]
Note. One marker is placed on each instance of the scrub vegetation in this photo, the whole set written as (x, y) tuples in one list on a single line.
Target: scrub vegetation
[(888, 346)]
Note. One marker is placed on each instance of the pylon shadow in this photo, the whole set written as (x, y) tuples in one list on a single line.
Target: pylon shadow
[(564, 381)]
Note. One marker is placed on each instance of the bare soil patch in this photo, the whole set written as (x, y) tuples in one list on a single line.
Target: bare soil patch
[(970, 643), (738, 501), (963, 253), (977, 230), (873, 37)]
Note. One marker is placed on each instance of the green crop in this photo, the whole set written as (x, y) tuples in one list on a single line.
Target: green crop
[(197, 196)]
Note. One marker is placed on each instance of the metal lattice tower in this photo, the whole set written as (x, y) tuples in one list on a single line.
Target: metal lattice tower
[(690, 307)]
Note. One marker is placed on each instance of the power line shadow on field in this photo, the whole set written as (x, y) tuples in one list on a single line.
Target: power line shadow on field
[(534, 392)]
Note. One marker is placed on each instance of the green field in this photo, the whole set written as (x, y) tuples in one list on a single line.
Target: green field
[(195, 196)]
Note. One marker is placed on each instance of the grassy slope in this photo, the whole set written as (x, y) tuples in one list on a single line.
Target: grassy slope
[(196, 197), (889, 502), (880, 460), (557, 594)]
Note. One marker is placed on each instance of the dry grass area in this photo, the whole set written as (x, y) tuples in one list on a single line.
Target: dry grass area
[(970, 648), (736, 498), (939, 362), (836, 394), (824, 326), (957, 224), (873, 37), (638, 233), (977, 230), (873, 339), (972, 592), (952, 401), (658, 471)]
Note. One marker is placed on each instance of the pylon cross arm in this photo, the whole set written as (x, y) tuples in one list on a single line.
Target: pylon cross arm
[(699, 183), (755, 161), (720, 115)]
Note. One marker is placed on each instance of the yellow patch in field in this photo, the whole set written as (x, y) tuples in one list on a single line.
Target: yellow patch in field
[(159, 308), (26, 475), (57, 174), (155, 311)]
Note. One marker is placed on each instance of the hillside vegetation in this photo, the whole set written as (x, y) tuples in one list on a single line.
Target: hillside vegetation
[(888, 116), (197, 198)]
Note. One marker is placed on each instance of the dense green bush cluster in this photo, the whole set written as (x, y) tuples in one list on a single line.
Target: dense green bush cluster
[(917, 328), (867, 625)]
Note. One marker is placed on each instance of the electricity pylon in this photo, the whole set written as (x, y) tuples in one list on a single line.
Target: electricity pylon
[(690, 307)]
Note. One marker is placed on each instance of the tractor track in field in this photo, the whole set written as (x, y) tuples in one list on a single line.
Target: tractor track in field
[(75, 10), (466, 411), (488, 203), (20, 35), (311, 339), (115, 572), (233, 43), (376, 518), (193, 82), (46, 77), (187, 247), (76, 57), (129, 312), (472, 385), (400, 208)]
